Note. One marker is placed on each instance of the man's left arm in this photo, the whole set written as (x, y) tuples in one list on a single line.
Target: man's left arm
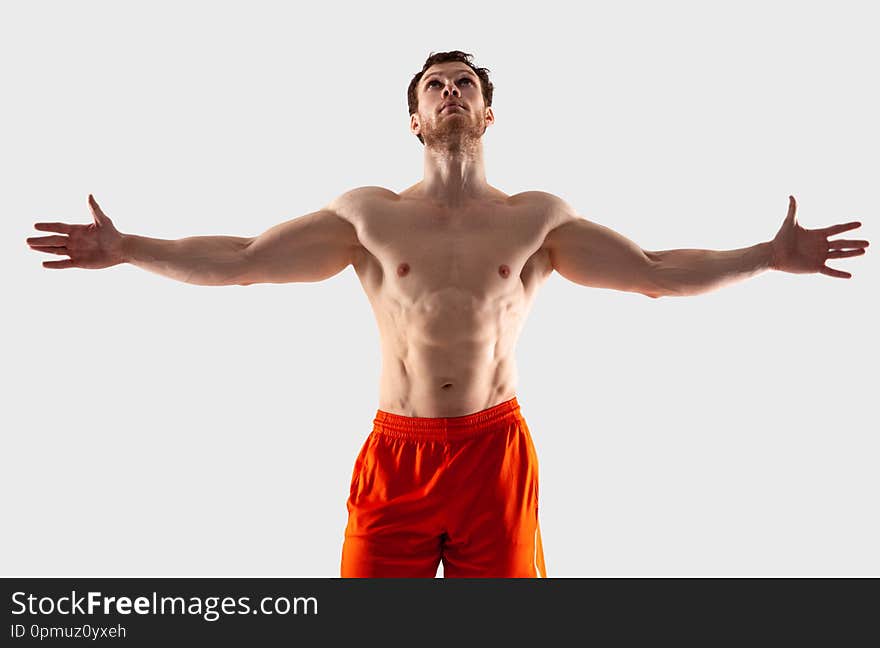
[(616, 262)]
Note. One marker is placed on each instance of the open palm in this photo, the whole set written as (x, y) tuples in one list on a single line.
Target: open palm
[(800, 250), (94, 246)]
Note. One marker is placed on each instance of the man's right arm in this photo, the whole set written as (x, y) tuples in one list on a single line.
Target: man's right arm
[(309, 248)]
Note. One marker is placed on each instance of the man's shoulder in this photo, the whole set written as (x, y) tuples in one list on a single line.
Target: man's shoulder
[(359, 195), (532, 196), (554, 210), (352, 204)]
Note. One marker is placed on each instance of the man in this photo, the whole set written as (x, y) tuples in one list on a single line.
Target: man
[(451, 266)]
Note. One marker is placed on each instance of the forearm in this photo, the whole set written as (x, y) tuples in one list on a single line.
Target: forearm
[(200, 260), (692, 272)]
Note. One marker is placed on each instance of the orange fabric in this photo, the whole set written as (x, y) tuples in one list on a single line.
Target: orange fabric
[(462, 489)]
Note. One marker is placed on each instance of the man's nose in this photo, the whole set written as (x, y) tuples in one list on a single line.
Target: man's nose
[(454, 91)]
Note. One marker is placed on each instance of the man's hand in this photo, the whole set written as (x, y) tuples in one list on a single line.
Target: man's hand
[(94, 246), (801, 251)]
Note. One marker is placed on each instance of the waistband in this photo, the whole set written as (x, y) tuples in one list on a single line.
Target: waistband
[(448, 428)]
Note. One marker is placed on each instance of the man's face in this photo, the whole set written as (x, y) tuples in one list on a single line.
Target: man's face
[(451, 109)]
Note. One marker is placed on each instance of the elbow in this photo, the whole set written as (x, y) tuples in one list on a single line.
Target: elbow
[(655, 292), (246, 279), (653, 286), (243, 273), (660, 280)]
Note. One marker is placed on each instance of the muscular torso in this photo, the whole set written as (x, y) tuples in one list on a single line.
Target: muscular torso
[(450, 290)]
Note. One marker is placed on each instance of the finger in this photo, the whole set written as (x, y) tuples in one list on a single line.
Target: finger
[(837, 229), (47, 240), (841, 244), (839, 254), (64, 228), (831, 272), (64, 263), (792, 208), (49, 249), (99, 216)]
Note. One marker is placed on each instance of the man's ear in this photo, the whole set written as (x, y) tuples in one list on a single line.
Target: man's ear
[(490, 115), (414, 125)]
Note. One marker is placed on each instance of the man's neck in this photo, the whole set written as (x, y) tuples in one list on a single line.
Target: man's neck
[(454, 176)]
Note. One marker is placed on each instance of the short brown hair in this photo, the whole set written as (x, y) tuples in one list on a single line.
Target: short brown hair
[(412, 96)]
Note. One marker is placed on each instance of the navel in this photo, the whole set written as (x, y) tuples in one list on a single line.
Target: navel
[(504, 271), (402, 269)]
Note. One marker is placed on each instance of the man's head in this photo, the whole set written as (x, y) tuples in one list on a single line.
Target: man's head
[(450, 78)]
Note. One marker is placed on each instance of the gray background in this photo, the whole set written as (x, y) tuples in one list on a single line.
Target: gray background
[(154, 428)]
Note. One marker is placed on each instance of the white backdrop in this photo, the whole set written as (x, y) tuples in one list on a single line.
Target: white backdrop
[(154, 428)]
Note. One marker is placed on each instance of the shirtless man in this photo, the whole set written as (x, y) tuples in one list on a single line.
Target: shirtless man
[(451, 266)]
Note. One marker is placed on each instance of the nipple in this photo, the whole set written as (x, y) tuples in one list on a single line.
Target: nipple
[(503, 270), (402, 269)]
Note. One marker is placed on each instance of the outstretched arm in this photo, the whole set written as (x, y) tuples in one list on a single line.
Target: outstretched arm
[(309, 248), (593, 255)]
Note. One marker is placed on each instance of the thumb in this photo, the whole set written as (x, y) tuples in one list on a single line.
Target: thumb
[(99, 216), (791, 217)]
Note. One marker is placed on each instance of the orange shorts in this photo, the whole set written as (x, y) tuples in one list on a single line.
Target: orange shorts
[(463, 490)]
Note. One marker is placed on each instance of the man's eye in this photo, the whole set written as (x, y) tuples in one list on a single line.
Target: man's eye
[(430, 83)]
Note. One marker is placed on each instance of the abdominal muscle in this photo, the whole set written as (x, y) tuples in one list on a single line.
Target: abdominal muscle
[(448, 355)]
